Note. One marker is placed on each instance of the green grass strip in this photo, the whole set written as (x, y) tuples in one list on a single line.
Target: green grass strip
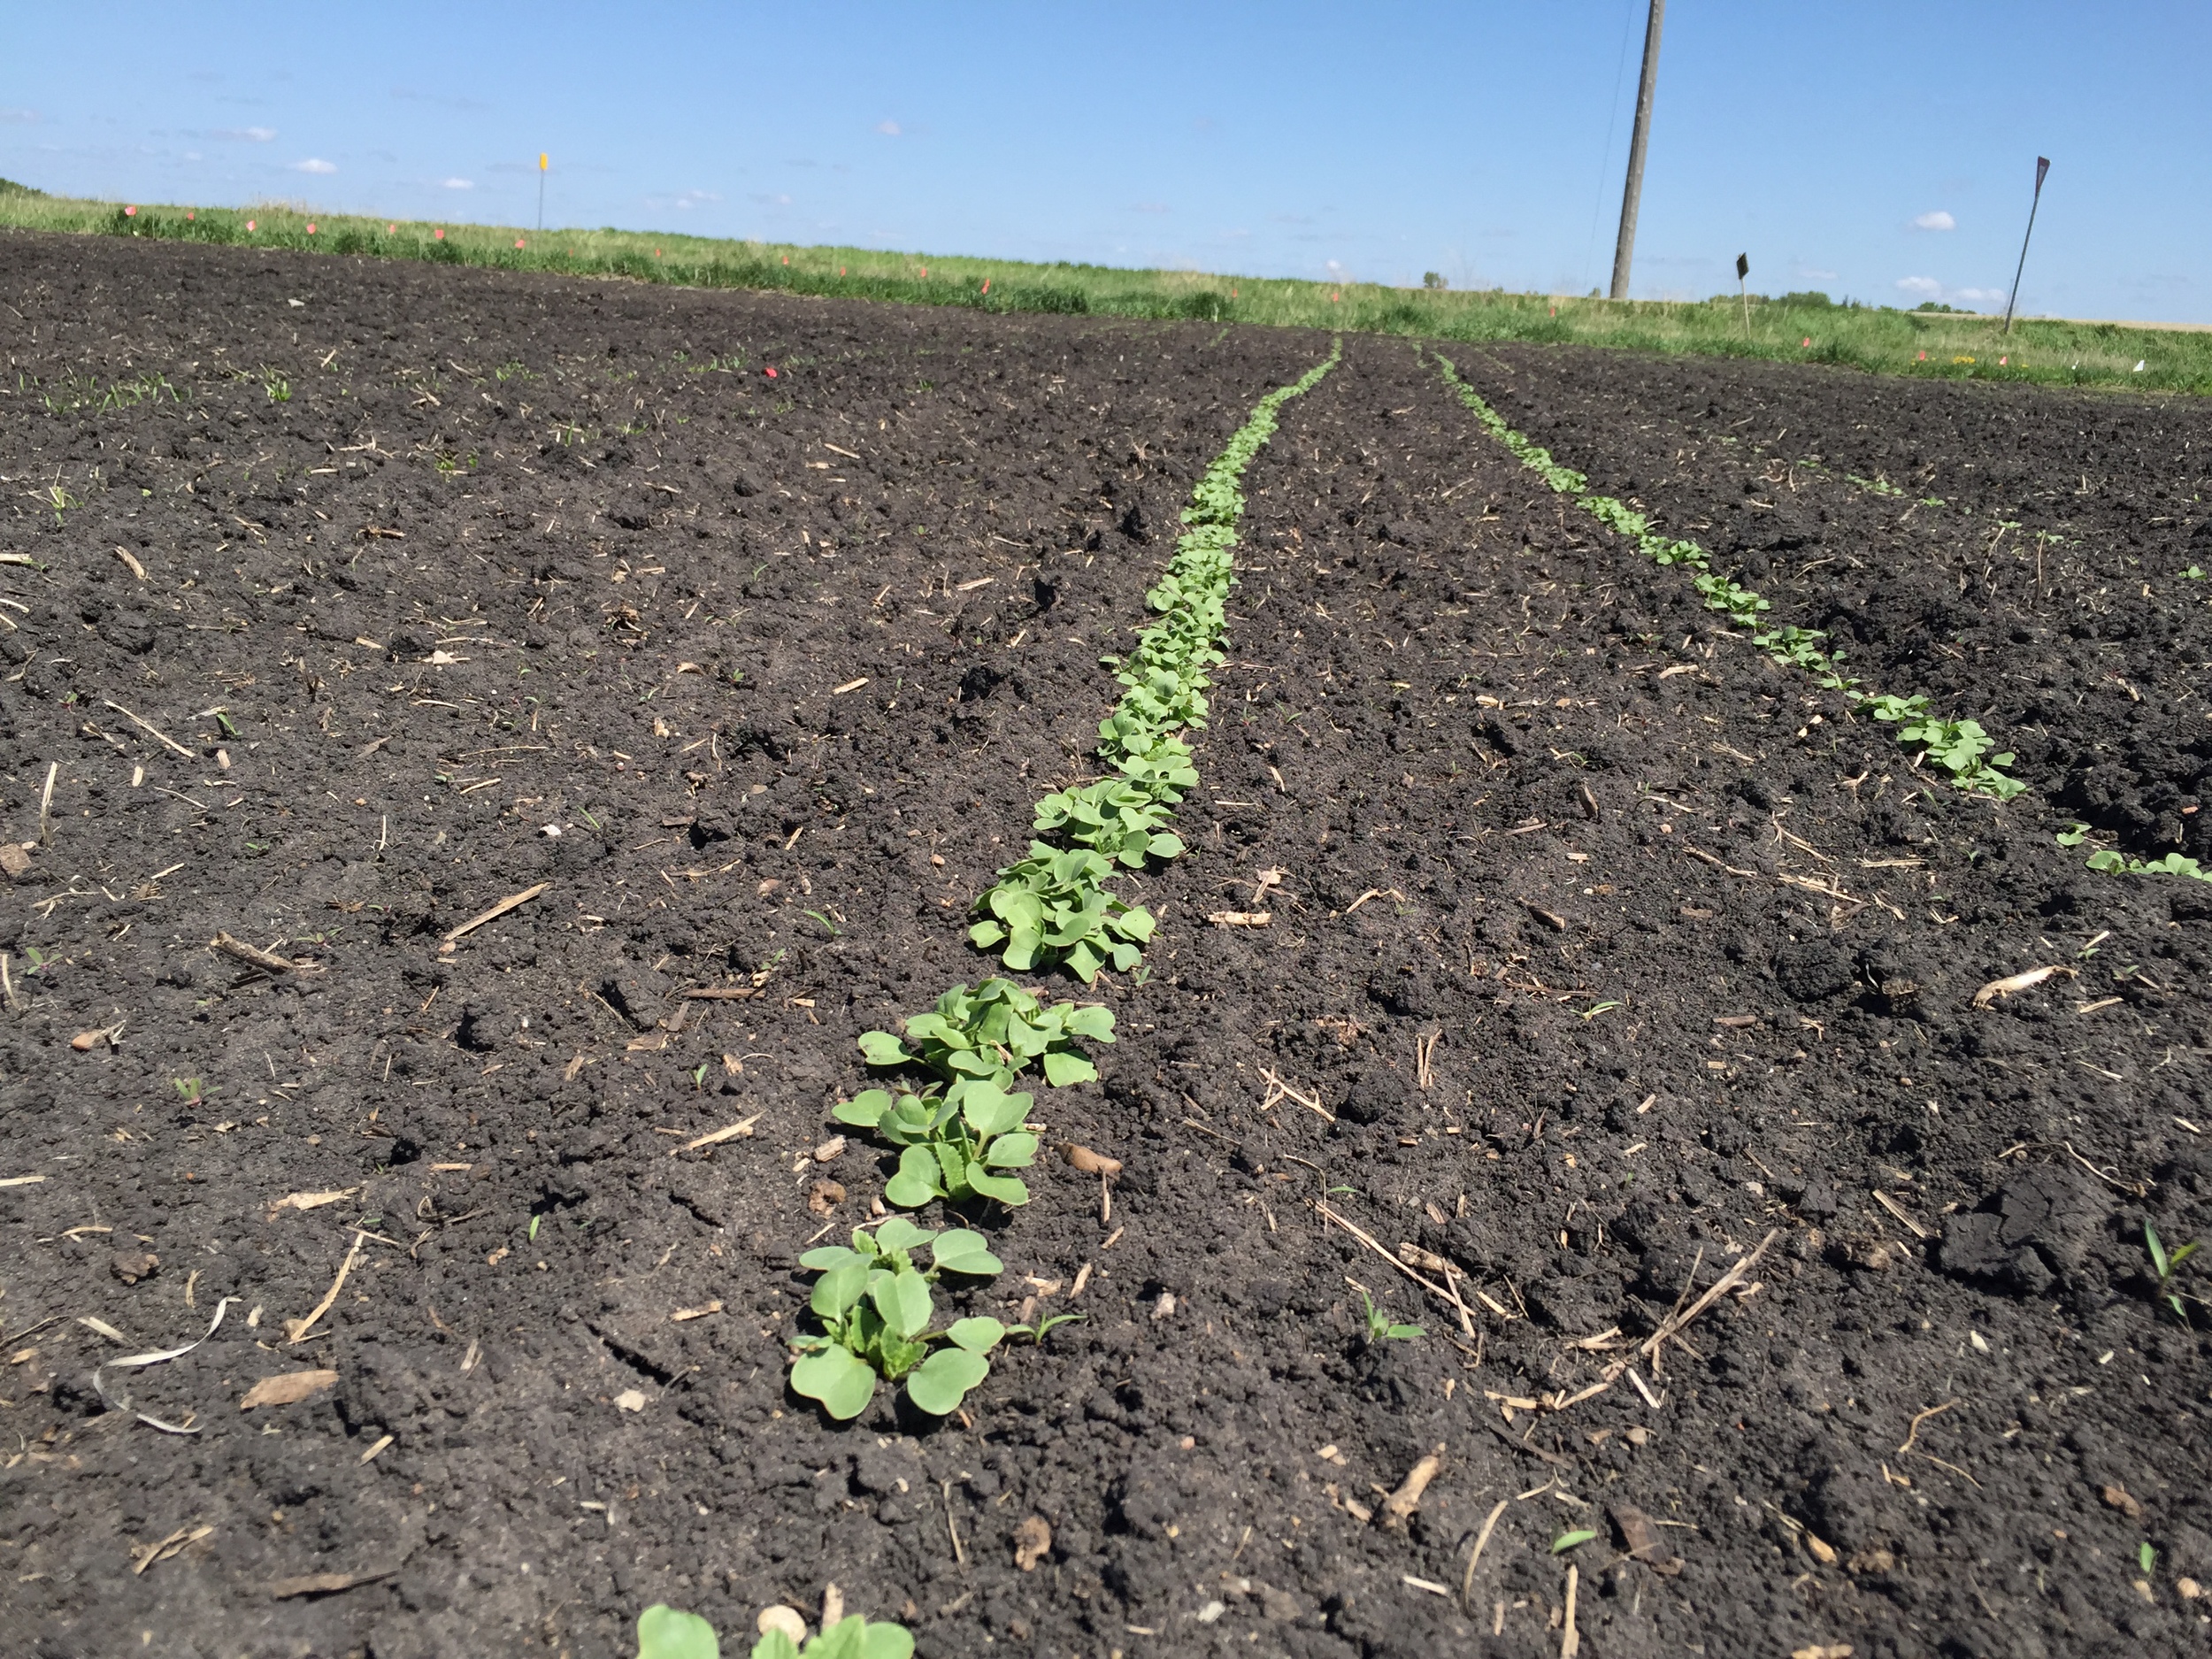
[(1795, 329), (1962, 748), (1053, 906)]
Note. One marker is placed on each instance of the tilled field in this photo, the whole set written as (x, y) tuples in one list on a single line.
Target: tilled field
[(1601, 955)]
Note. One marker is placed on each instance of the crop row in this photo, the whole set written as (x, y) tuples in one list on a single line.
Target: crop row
[(1961, 748), (956, 1114)]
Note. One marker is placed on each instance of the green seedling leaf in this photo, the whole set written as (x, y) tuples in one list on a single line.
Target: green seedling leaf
[(881, 1048), (896, 1232), (886, 1641), (838, 1289), (943, 1379), (903, 1298), (978, 1336), (1005, 1188), (2073, 836), (2146, 1557), (1038, 1332), (952, 1167), (991, 1110), (1062, 1068), (866, 1108), (1566, 1542), (1012, 1152), (838, 1379), (664, 1633), (828, 1257), (850, 1638), (1090, 1019), (958, 1250), (918, 1179)]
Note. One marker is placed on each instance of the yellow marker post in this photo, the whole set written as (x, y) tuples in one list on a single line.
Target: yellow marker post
[(543, 162)]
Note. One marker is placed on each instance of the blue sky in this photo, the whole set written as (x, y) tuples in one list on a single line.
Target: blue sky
[(1883, 151)]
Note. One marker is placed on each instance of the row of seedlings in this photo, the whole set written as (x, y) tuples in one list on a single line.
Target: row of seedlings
[(956, 1117), (956, 1112), (1962, 748)]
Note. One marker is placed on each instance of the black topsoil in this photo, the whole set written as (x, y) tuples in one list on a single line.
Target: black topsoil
[(1603, 953)]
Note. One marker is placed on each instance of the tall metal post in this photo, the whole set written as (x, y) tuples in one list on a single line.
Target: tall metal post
[(1624, 249), (2042, 166)]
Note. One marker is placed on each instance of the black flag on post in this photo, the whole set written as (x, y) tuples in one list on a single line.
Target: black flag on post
[(1743, 270), (1743, 260), (2042, 166)]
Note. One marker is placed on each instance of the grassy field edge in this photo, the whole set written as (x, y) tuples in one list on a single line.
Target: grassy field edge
[(1927, 345)]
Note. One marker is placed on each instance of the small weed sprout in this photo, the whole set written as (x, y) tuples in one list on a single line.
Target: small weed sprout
[(1381, 1328), (2166, 1264)]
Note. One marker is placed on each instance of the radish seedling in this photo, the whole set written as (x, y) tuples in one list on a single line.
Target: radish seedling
[(875, 1308), (960, 1133), (850, 1638), (1051, 908), (1115, 817), (2171, 864), (664, 1633)]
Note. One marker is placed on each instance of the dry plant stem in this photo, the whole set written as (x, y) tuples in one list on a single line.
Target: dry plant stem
[(1482, 1542), (1570, 1639), (297, 1329), (1401, 1504), (247, 953), (147, 727), (1725, 1283), (1913, 1432), (497, 910), (1437, 1290), (46, 805), (2013, 983)]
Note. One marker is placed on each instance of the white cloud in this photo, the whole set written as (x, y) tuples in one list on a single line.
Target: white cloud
[(1922, 287), (19, 115), (314, 163), (457, 184), (245, 134), (1937, 220), (889, 129)]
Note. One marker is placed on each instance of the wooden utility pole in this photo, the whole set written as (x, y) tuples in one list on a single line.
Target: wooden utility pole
[(1624, 249)]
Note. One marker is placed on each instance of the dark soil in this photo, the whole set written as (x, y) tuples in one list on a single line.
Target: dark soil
[(1478, 742)]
